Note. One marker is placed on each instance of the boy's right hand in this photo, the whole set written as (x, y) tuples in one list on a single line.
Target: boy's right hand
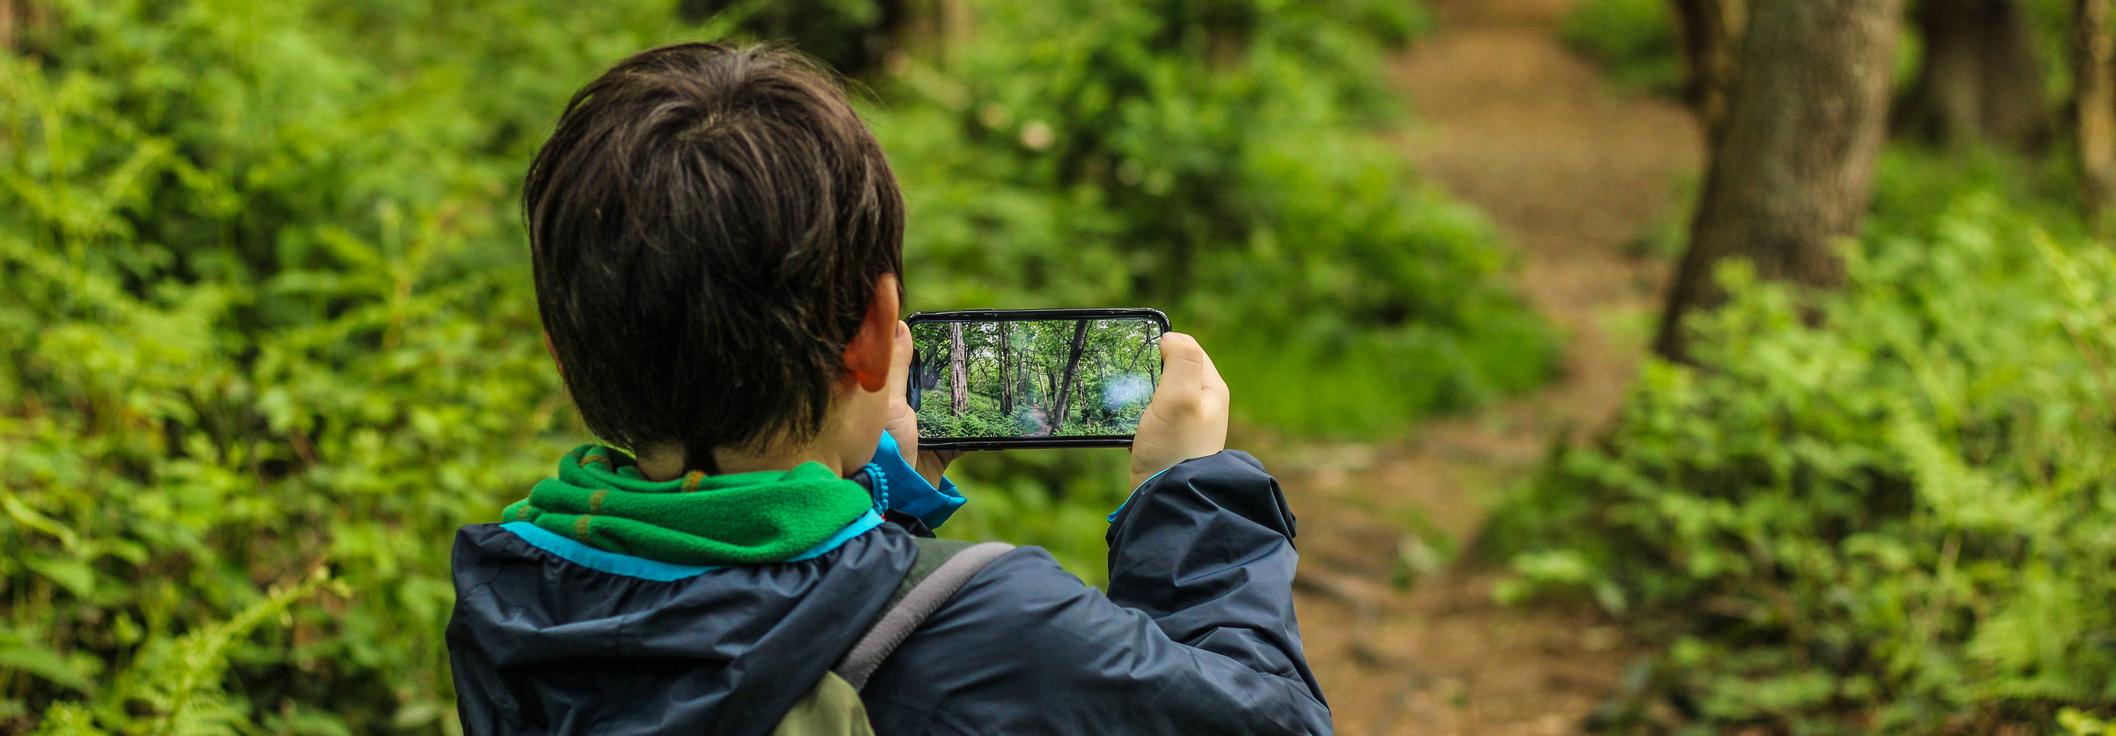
[(1188, 415)]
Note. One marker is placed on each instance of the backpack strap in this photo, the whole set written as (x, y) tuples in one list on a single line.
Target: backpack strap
[(942, 567)]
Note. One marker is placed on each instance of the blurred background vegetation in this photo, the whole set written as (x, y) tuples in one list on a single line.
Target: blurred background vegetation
[(268, 337), (268, 314)]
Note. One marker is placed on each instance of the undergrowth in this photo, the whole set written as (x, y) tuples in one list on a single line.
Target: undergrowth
[(1635, 41), (1899, 516)]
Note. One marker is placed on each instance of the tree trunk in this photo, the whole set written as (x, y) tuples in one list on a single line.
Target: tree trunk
[(1049, 400), (2094, 68), (952, 21), (20, 18), (958, 374), (1711, 35), (7, 25), (1006, 372), (1980, 81), (1793, 168), (1065, 383)]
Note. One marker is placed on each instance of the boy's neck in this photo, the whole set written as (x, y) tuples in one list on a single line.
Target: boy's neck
[(665, 462), (844, 443)]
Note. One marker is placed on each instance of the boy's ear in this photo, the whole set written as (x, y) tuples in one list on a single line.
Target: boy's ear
[(868, 355)]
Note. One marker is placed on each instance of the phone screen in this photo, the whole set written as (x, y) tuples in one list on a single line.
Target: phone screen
[(1034, 378)]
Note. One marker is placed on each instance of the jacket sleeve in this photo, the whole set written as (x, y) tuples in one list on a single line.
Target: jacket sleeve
[(1205, 549), (909, 493), (1197, 634)]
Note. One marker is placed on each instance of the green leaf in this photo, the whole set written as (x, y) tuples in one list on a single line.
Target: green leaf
[(29, 517), (21, 653), (73, 575)]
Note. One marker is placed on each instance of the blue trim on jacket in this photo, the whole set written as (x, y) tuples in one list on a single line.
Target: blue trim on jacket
[(646, 569), (909, 493), (1135, 493)]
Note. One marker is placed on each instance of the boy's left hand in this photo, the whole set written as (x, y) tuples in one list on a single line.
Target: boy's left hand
[(903, 422)]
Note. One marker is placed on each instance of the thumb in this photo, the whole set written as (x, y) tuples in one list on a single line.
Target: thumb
[(899, 361), (1183, 365)]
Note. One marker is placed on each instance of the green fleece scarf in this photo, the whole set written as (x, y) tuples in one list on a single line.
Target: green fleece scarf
[(600, 499)]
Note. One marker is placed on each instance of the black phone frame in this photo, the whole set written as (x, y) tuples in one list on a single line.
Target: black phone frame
[(1022, 315)]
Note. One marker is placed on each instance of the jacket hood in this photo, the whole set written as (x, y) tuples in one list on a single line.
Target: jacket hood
[(566, 638)]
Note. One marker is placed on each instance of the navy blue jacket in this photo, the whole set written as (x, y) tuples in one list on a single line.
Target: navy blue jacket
[(1196, 634)]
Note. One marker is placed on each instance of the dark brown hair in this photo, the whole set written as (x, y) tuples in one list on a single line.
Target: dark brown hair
[(707, 224)]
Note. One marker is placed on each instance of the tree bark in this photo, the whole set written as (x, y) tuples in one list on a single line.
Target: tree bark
[(958, 374), (19, 19), (1065, 383), (1793, 169), (1006, 371), (2094, 69), (1711, 36), (1980, 80)]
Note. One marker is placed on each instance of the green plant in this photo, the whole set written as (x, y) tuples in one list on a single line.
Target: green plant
[(174, 685), (851, 36), (1218, 160), (1634, 40), (268, 312), (1899, 515), (2076, 722)]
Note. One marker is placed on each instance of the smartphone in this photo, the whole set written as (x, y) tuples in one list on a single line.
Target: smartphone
[(991, 379)]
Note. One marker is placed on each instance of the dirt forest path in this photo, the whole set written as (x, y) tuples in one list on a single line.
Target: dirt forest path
[(1571, 170)]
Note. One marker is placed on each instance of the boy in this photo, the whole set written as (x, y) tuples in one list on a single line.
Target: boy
[(716, 240)]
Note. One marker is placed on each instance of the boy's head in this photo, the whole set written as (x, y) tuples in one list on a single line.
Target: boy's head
[(715, 236)]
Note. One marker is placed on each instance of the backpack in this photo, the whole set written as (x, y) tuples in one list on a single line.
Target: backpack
[(833, 708)]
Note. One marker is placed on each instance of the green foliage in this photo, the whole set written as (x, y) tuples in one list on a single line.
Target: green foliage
[(851, 36), (1056, 499), (1219, 160), (268, 309), (1903, 517), (174, 685), (1634, 41), (2051, 25), (2078, 723)]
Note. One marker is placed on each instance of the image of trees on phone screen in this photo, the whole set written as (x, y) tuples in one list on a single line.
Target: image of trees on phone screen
[(1045, 378)]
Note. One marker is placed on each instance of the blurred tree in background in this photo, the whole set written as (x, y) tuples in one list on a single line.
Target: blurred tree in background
[(2094, 101), (269, 339), (1980, 80), (1791, 162)]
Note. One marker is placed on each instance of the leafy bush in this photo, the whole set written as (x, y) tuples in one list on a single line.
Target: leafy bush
[(267, 313), (851, 36), (1219, 160), (1902, 518), (174, 685), (1634, 40)]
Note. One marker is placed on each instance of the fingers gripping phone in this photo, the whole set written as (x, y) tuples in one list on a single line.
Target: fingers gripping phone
[(1001, 379)]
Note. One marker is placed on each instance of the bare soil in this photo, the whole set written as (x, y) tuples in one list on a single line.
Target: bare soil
[(1571, 169)]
